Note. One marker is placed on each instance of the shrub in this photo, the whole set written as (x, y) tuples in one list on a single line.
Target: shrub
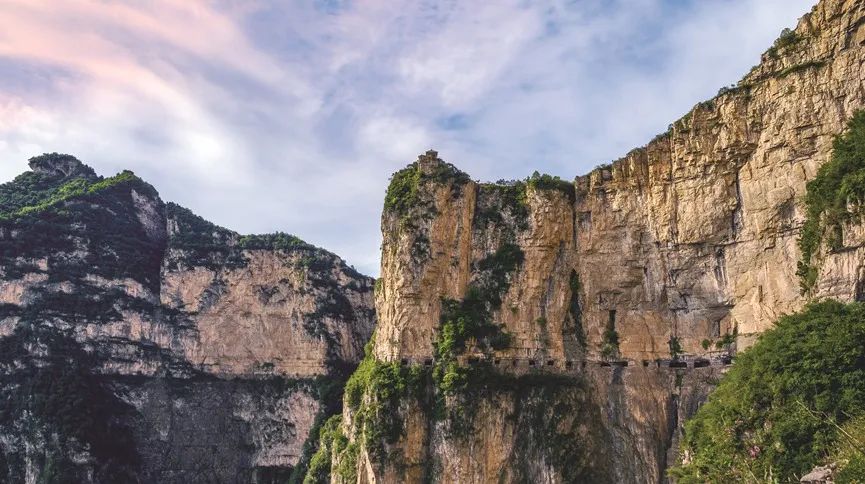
[(374, 393), (776, 410), (839, 182), (610, 341), (549, 182), (500, 198), (62, 216), (675, 347), (330, 440), (799, 67), (726, 340), (273, 241), (574, 309), (788, 38), (849, 453), (402, 192)]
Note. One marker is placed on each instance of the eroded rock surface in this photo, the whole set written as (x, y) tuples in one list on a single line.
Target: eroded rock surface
[(140, 343), (686, 247)]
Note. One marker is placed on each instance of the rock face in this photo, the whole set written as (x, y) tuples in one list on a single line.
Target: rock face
[(686, 247), (140, 343)]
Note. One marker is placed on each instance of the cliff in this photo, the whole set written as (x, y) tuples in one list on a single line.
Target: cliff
[(141, 343), (683, 250)]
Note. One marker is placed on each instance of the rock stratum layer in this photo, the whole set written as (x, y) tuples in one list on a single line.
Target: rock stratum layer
[(685, 248), (140, 343)]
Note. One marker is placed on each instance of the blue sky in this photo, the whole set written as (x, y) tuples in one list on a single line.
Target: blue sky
[(269, 115)]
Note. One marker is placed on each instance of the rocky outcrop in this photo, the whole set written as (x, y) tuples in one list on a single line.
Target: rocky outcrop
[(685, 248), (140, 343)]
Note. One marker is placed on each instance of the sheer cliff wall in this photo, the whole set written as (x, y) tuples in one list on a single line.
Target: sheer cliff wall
[(684, 249)]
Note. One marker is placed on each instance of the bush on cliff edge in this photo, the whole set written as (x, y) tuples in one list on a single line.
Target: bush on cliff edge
[(780, 409)]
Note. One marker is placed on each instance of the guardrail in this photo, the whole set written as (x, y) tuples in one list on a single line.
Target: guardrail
[(553, 363)]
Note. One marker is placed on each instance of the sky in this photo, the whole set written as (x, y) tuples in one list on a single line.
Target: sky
[(266, 116)]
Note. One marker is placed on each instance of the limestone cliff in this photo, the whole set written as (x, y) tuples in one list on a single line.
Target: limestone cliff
[(683, 249), (140, 343)]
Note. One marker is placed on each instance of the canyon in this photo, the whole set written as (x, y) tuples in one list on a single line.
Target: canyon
[(140, 343), (537, 330), (685, 249)]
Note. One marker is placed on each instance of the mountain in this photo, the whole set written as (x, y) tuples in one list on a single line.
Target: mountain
[(141, 343), (545, 330)]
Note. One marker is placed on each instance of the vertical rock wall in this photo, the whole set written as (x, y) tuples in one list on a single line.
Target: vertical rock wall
[(689, 240)]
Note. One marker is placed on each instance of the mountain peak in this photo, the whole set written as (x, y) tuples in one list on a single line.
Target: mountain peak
[(63, 165)]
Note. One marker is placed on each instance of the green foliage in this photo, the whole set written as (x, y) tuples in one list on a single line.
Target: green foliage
[(706, 344), (787, 39), (610, 341), (471, 318), (551, 412), (208, 245), (193, 231), (97, 215), (500, 198), (203, 244), (799, 67), (331, 441), (726, 340), (735, 89), (548, 182), (776, 411), (839, 184), (32, 193), (34, 188), (68, 404), (379, 285), (329, 393), (404, 191), (274, 241), (849, 452), (374, 392), (574, 308), (675, 347)]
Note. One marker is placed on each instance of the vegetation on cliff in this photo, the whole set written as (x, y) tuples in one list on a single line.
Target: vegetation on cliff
[(205, 244), (50, 215), (833, 198), (785, 41), (56, 398), (575, 311), (784, 404), (610, 340), (500, 200), (405, 193), (332, 442), (378, 392), (471, 318), (549, 182), (374, 394)]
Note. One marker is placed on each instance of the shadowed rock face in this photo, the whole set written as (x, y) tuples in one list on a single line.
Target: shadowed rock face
[(689, 242), (139, 342), (59, 165)]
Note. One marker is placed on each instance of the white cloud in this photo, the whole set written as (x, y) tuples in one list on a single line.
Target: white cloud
[(271, 115)]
